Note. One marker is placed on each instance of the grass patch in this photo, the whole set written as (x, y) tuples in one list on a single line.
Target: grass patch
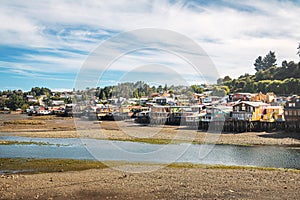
[(203, 166), (145, 140), (170, 141), (23, 165), (25, 122), (7, 142), (151, 140)]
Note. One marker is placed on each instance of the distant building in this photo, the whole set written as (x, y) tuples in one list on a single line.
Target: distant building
[(163, 100), (30, 98), (240, 97), (58, 103), (292, 113)]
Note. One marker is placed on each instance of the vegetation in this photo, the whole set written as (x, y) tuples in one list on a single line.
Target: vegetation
[(24, 165), (7, 142), (283, 80), (265, 63), (17, 99), (190, 165), (141, 89)]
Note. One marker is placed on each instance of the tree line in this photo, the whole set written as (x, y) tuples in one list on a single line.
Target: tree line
[(14, 99), (282, 80)]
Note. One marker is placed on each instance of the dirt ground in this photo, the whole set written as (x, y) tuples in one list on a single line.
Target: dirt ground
[(167, 183)]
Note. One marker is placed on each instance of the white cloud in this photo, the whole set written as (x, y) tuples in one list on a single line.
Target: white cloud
[(232, 36)]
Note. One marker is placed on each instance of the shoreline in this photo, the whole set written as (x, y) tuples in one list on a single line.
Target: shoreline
[(52, 165)]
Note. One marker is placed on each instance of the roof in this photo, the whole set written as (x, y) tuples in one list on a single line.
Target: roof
[(253, 103), (274, 107), (243, 93)]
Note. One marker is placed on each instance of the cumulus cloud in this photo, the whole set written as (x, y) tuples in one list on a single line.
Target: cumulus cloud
[(233, 33)]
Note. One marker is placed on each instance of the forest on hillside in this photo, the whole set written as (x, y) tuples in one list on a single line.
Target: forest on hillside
[(283, 80)]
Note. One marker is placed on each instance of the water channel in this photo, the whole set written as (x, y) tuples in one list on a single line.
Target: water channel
[(106, 150)]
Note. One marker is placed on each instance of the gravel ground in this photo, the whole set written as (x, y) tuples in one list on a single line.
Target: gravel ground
[(166, 183)]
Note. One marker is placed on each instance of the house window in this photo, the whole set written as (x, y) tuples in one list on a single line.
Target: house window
[(298, 112), (292, 104), (286, 113)]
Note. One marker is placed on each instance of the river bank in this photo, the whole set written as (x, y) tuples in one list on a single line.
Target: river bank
[(55, 127), (173, 182)]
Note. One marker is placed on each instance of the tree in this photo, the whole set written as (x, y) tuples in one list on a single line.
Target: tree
[(284, 64), (298, 50), (15, 101), (220, 81), (218, 91), (196, 89), (270, 60), (265, 63), (166, 88), (259, 64), (227, 78)]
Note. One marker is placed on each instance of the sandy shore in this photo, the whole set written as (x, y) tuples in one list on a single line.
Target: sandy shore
[(167, 183), (67, 127)]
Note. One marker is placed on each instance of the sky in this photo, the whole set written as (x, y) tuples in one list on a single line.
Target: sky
[(51, 43)]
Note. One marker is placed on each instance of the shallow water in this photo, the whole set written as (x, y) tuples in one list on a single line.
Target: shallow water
[(105, 150)]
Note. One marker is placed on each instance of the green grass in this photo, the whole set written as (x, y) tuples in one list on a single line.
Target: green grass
[(190, 165), (147, 140), (6, 142), (23, 165), (169, 141)]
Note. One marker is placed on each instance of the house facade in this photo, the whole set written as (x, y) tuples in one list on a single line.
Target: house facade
[(248, 111), (292, 113)]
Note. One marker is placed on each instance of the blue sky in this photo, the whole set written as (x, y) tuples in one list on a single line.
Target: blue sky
[(46, 43)]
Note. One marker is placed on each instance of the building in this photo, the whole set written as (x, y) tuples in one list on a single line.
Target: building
[(239, 97), (292, 113), (248, 111), (164, 100), (273, 113), (31, 98)]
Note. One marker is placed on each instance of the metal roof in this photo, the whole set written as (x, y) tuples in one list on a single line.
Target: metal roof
[(253, 103)]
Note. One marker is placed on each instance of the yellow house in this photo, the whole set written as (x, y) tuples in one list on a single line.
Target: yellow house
[(273, 113), (249, 111)]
